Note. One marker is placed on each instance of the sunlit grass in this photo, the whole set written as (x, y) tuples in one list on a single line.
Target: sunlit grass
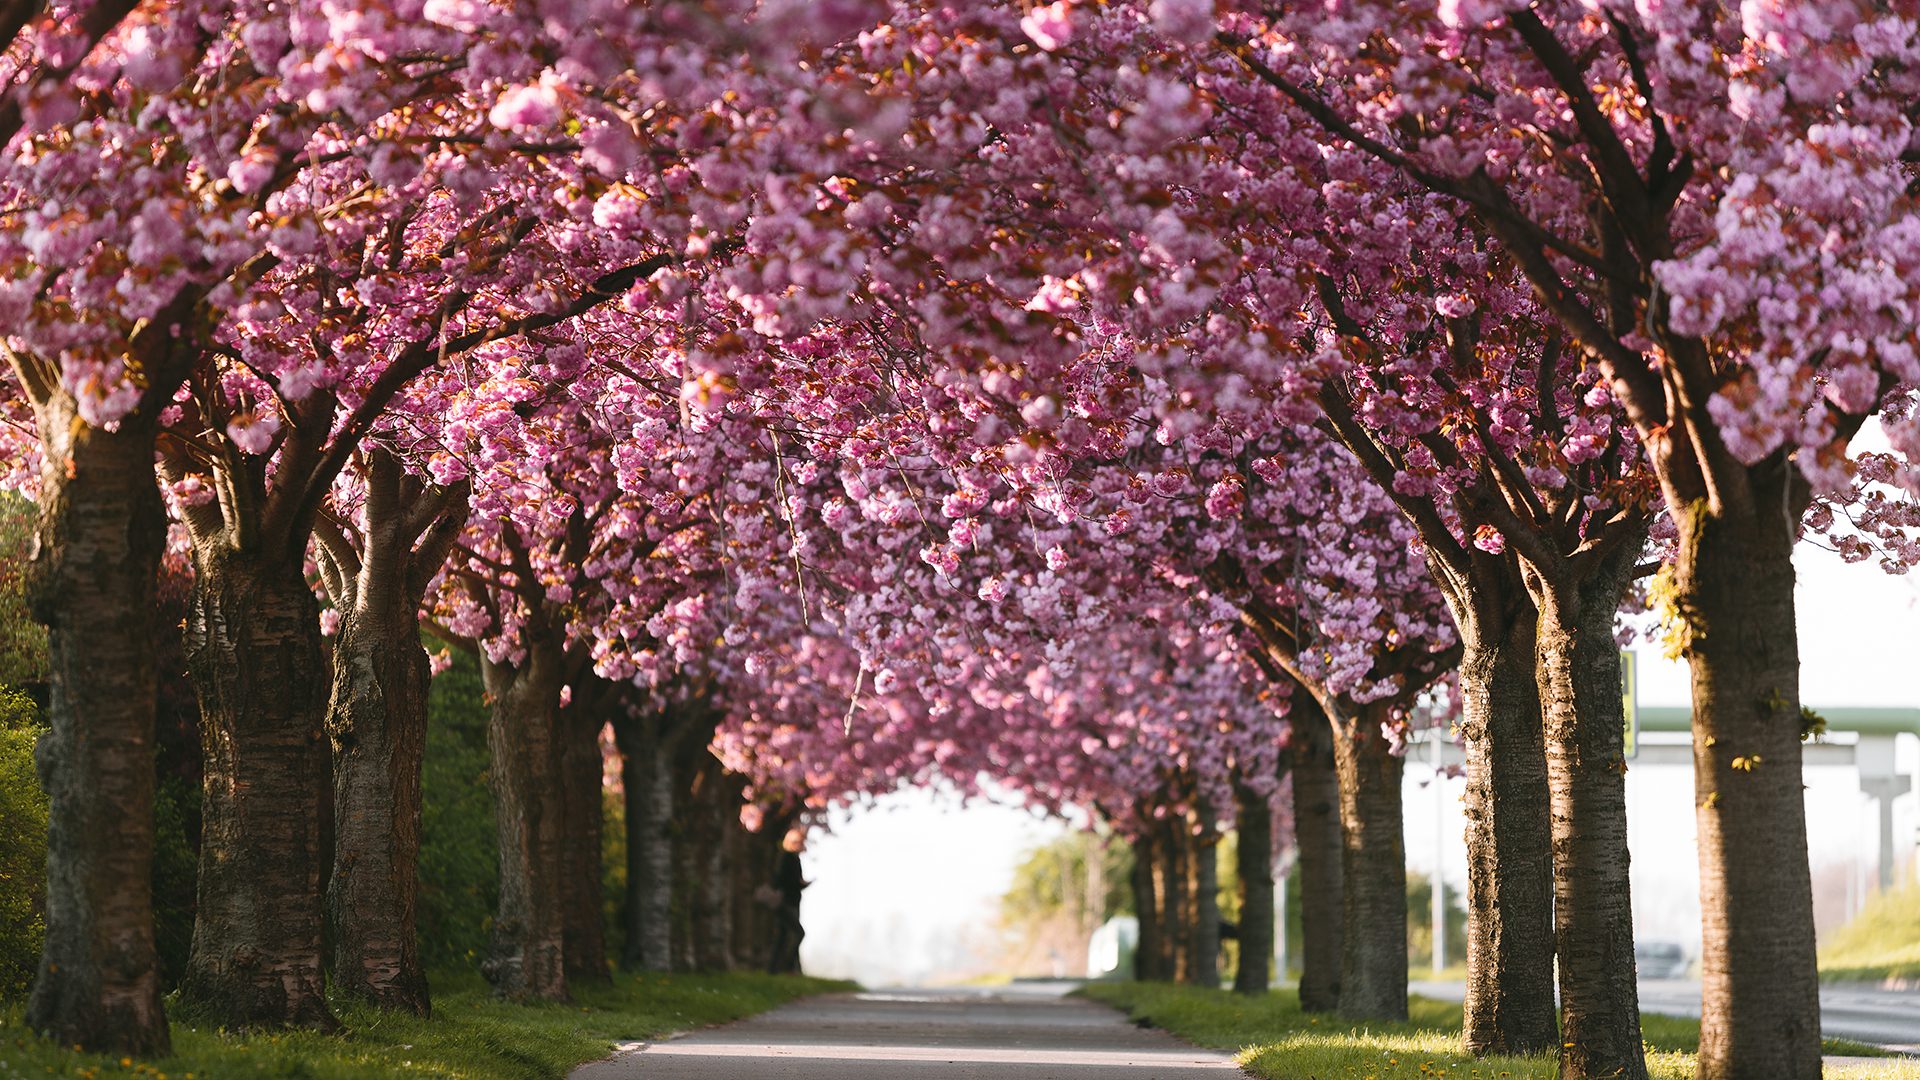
[(470, 1037), (1883, 941), (1272, 1038)]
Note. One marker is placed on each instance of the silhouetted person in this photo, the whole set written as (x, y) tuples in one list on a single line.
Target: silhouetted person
[(788, 881)]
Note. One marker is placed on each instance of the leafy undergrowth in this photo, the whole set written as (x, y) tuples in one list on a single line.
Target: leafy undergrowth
[(1274, 1039), (470, 1037), (1882, 942)]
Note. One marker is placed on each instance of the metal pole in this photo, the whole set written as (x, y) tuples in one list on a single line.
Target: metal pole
[(1280, 925), (1439, 858)]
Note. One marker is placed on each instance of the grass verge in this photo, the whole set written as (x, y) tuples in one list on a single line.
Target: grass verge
[(1882, 942), (1273, 1038), (470, 1037)]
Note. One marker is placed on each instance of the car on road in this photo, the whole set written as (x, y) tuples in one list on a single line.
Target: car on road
[(1660, 959)]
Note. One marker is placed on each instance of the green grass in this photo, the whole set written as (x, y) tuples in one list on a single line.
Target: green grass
[(1882, 942), (471, 1036), (1274, 1039)]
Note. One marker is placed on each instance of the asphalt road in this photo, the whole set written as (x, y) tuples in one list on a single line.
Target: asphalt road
[(1010, 1034), (1863, 1013)]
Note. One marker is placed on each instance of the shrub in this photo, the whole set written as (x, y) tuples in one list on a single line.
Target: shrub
[(176, 872), (459, 857), (23, 642), (23, 845)]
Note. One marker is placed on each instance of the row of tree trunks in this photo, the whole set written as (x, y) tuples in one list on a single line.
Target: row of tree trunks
[(1176, 900), (688, 880)]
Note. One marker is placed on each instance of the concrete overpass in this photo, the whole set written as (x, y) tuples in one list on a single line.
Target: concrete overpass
[(1863, 738)]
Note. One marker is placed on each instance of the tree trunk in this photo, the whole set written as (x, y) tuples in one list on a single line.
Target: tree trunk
[(101, 534), (742, 856), (1149, 945), (1316, 826), (759, 855), (527, 960), (684, 873), (581, 784), (1373, 967), (715, 795), (1509, 1002), (1760, 999), (648, 776), (1176, 903), (254, 651), (1204, 969), (378, 723), (1253, 852), (1579, 673)]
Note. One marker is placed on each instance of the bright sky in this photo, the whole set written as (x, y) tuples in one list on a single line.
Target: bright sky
[(902, 891)]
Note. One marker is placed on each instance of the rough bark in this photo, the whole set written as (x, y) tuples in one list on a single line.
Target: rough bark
[(647, 774), (1760, 998), (101, 534), (1316, 824), (581, 783), (527, 955), (378, 724), (1204, 876), (1579, 678), (1509, 1001), (1373, 961), (1253, 863), (714, 796), (254, 653)]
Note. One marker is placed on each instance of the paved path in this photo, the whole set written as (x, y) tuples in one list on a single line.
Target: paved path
[(1863, 1013), (1016, 1033)]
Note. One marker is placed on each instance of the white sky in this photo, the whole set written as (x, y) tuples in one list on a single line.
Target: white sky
[(903, 892)]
